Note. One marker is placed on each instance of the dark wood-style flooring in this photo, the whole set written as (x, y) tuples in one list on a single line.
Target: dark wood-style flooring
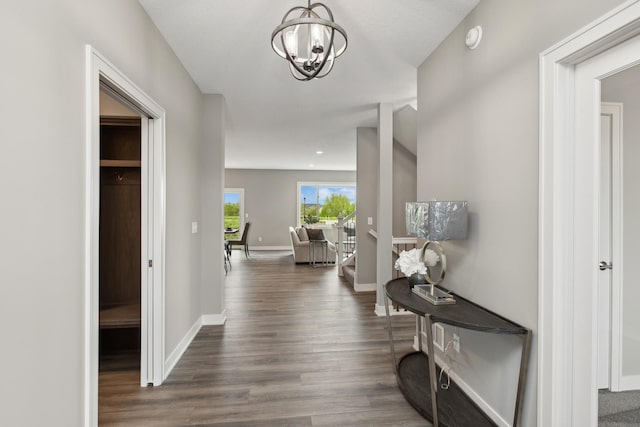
[(299, 348)]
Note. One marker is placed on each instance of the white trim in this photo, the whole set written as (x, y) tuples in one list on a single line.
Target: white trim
[(561, 402), (615, 110), (268, 248), (630, 382), (182, 346), (146, 209), (185, 342), (97, 69), (366, 287), (214, 319), (471, 393), (380, 311), (91, 250)]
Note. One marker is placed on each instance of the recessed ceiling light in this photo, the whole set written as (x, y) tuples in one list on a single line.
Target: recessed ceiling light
[(319, 152)]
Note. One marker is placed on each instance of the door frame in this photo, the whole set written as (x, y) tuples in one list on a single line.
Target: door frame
[(98, 69), (568, 222), (615, 111)]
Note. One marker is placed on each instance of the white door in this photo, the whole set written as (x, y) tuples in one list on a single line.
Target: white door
[(610, 248)]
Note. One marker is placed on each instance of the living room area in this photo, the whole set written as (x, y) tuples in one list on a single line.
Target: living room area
[(275, 200)]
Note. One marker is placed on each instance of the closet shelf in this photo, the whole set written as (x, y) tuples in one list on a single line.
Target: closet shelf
[(120, 316), (121, 163)]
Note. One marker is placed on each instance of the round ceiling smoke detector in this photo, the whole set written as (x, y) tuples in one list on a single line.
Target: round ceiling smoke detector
[(474, 35)]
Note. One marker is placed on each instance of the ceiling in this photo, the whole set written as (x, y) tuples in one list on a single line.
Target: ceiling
[(277, 122)]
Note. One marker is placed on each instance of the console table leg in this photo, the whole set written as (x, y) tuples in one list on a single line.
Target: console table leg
[(522, 379), (432, 370), (393, 348), (419, 332)]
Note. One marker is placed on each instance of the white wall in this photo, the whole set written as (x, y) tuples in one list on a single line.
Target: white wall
[(625, 87), (270, 199), (42, 175), (478, 141)]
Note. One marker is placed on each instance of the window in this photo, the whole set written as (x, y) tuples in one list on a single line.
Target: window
[(233, 211), (323, 202)]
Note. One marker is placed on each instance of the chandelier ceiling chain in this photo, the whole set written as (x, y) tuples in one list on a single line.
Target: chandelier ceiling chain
[(310, 40)]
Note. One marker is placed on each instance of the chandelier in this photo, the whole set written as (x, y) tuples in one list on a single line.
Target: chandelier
[(309, 40)]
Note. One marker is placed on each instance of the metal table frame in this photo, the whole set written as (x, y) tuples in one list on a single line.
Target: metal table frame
[(454, 315)]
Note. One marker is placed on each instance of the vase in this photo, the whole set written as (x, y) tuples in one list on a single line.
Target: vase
[(416, 279)]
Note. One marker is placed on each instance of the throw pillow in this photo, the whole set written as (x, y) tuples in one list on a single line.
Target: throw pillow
[(302, 234), (315, 234)]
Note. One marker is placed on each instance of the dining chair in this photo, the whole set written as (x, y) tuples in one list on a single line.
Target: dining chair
[(243, 240)]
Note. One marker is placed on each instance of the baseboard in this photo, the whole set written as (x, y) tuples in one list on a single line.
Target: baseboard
[(214, 319), (365, 287), (380, 311), (629, 382), (475, 397), (268, 248), (182, 346)]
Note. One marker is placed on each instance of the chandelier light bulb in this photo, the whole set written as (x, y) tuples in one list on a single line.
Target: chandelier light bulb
[(291, 43), (317, 39)]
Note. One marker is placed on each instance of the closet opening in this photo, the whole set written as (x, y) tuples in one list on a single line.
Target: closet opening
[(120, 242)]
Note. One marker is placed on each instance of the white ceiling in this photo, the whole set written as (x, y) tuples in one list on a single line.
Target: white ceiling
[(277, 122)]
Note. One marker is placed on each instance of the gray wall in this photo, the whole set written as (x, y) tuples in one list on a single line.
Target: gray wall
[(625, 87), (404, 190), (478, 141), (211, 196), (270, 198), (405, 174), (42, 182), (367, 170)]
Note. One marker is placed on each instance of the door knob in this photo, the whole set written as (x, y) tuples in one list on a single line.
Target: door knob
[(605, 266)]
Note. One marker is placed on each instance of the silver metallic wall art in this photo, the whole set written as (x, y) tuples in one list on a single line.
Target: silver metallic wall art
[(437, 220)]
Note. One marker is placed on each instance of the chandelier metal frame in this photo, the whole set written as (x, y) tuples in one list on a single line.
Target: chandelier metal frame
[(320, 59)]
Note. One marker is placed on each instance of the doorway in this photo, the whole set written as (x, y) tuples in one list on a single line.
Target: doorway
[(120, 238), (101, 73), (621, 93), (569, 218)]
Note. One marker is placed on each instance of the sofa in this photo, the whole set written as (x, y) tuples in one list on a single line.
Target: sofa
[(300, 245)]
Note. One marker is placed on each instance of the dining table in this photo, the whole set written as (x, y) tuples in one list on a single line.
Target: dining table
[(227, 246)]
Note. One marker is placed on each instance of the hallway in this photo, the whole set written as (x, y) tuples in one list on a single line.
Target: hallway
[(299, 348)]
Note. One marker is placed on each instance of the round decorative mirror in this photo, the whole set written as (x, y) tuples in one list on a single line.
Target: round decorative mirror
[(436, 261)]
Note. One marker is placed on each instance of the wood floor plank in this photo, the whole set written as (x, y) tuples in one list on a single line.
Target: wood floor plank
[(300, 348)]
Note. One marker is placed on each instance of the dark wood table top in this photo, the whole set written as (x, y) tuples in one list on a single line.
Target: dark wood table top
[(463, 313)]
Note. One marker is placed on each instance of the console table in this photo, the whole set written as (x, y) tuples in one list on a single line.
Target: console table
[(416, 371)]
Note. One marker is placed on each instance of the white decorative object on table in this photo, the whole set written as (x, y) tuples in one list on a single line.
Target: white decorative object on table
[(410, 262)]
